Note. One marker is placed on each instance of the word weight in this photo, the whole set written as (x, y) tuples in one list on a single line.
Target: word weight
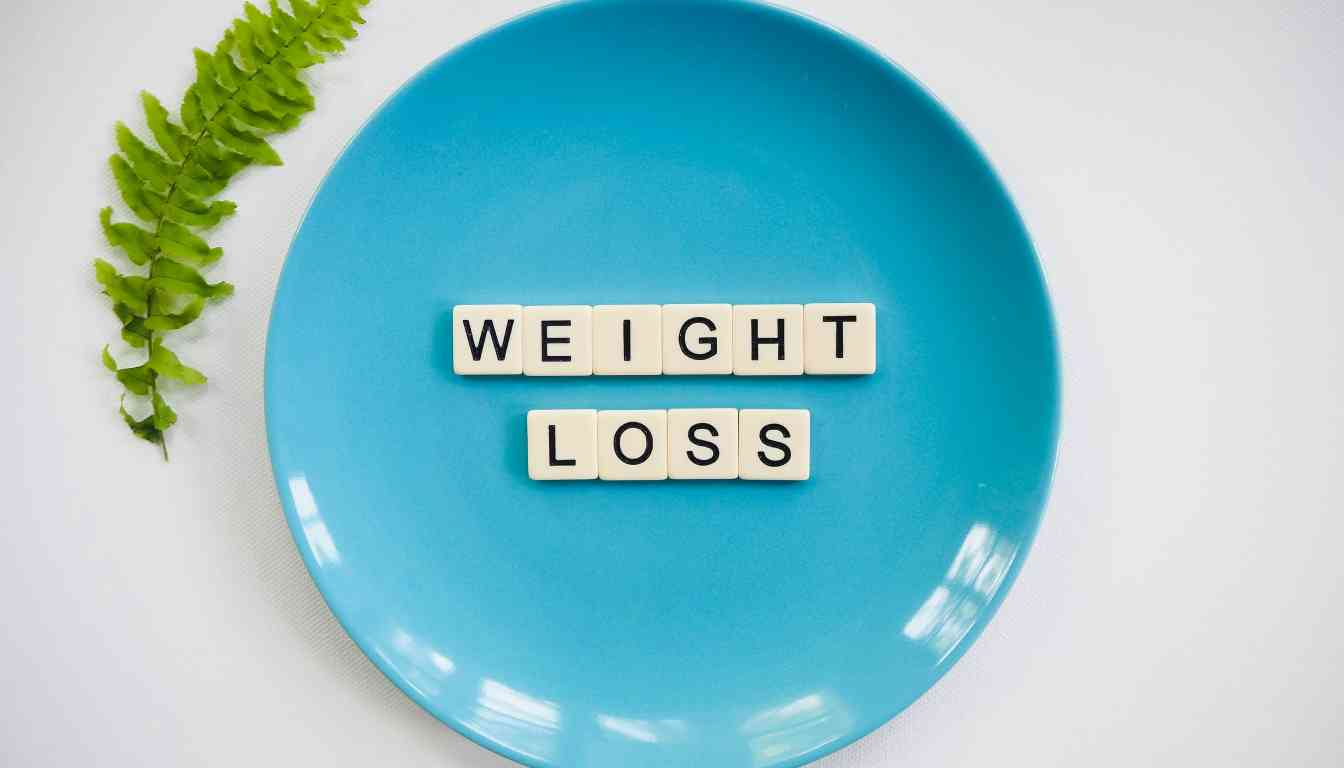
[(668, 339)]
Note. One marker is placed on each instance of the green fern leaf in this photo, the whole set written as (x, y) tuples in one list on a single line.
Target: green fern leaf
[(178, 279), (230, 76), (338, 26), (174, 321), (163, 416), (138, 380), (199, 184), (244, 143), (300, 57), (133, 329), (261, 30), (247, 89), (142, 428), (215, 162), (135, 333), (260, 122), (260, 99), (130, 186), (208, 90), (304, 13), (170, 137), (319, 41), (127, 290), (164, 362), (193, 116), (181, 244), (240, 40), (192, 212), (286, 26), (281, 80), (136, 243), (350, 11), (152, 167)]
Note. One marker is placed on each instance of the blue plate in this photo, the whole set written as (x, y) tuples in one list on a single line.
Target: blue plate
[(644, 153)]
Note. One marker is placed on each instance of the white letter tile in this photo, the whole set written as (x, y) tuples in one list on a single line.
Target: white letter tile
[(840, 338), (487, 339), (697, 339), (775, 444), (632, 445), (558, 341), (562, 445), (768, 340), (702, 443), (628, 340)]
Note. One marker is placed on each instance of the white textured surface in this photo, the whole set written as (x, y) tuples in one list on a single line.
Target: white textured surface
[(1180, 167)]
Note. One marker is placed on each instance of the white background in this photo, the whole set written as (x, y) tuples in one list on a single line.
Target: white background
[(1179, 165)]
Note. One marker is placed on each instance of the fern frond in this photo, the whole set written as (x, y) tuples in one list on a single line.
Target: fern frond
[(245, 90)]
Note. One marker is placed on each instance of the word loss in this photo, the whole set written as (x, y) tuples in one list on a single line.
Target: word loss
[(677, 444), (673, 339)]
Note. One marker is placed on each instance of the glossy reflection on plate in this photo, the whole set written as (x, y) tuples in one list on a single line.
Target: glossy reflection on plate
[(667, 152)]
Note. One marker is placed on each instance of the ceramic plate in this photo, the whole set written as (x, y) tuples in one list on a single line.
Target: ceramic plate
[(667, 152)]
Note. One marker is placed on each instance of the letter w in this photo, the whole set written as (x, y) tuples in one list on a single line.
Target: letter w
[(477, 344)]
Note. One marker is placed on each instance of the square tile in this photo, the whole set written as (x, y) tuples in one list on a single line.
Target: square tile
[(558, 341), (768, 340), (487, 339), (628, 340), (702, 443), (697, 339), (774, 444), (562, 445), (632, 445), (840, 338)]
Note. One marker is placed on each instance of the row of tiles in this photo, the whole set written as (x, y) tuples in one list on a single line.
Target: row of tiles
[(676, 444), (653, 339)]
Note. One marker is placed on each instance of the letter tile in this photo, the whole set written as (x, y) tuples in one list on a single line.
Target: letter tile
[(487, 339), (840, 338), (632, 445), (628, 340), (702, 443), (768, 340), (562, 445), (697, 339), (558, 341), (774, 444)]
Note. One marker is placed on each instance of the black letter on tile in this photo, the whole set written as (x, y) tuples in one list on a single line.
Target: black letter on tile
[(839, 321), (709, 341), (555, 461), (713, 449), (477, 345), (648, 443), (783, 447), (546, 340), (777, 339), (625, 336)]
